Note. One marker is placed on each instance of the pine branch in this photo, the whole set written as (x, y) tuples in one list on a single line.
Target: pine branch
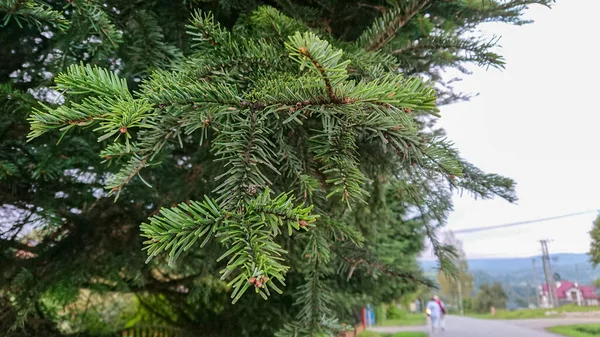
[(34, 13), (268, 22), (314, 296), (483, 185), (252, 252), (335, 148), (385, 28), (177, 229), (462, 50), (7, 169), (116, 110), (99, 21), (84, 79), (205, 31), (146, 47), (310, 51), (149, 144), (245, 148), (361, 256), (180, 88)]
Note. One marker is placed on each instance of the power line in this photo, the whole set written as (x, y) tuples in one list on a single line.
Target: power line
[(514, 224)]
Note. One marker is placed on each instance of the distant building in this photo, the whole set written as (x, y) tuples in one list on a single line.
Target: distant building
[(570, 293)]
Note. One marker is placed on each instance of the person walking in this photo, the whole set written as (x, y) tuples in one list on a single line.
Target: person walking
[(434, 313), (442, 312)]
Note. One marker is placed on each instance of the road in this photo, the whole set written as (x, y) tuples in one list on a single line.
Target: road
[(470, 327)]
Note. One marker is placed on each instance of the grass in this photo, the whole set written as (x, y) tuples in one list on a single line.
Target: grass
[(398, 334), (532, 313), (581, 330), (409, 319)]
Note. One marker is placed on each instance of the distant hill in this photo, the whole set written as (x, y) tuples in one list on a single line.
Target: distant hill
[(517, 277), (501, 266)]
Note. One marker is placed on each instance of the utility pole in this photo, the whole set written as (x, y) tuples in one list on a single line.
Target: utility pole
[(577, 271), (536, 284), (553, 300)]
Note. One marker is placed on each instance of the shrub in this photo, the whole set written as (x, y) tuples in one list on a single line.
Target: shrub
[(380, 313), (395, 313)]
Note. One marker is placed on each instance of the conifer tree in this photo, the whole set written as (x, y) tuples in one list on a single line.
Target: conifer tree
[(300, 156)]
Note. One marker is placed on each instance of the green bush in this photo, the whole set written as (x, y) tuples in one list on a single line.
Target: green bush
[(395, 313), (380, 313), (467, 304)]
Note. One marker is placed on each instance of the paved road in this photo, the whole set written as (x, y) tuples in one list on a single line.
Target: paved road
[(470, 327)]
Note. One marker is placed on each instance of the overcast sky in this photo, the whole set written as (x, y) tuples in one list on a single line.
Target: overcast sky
[(537, 122)]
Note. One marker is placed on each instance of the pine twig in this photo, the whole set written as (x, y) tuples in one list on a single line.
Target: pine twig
[(398, 22)]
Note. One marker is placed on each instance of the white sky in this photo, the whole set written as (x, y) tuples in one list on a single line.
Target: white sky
[(537, 122)]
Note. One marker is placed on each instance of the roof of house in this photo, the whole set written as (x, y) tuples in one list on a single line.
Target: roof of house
[(588, 293)]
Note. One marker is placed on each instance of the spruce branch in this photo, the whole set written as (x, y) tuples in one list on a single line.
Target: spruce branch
[(205, 31), (335, 148), (482, 185), (314, 296), (165, 88), (34, 13), (310, 51), (99, 21), (245, 148), (114, 108), (356, 257), (253, 256), (271, 23), (254, 253), (145, 45), (178, 228), (150, 142), (85, 80), (385, 28), (476, 50)]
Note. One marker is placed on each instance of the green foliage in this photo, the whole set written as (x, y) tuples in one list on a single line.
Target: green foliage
[(534, 313), (595, 244), (34, 13), (580, 330), (271, 117), (395, 313), (488, 297), (254, 256), (380, 313), (408, 320)]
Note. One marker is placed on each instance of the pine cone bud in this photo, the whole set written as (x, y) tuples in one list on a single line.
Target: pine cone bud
[(303, 50), (252, 190), (123, 129), (252, 280), (302, 223)]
